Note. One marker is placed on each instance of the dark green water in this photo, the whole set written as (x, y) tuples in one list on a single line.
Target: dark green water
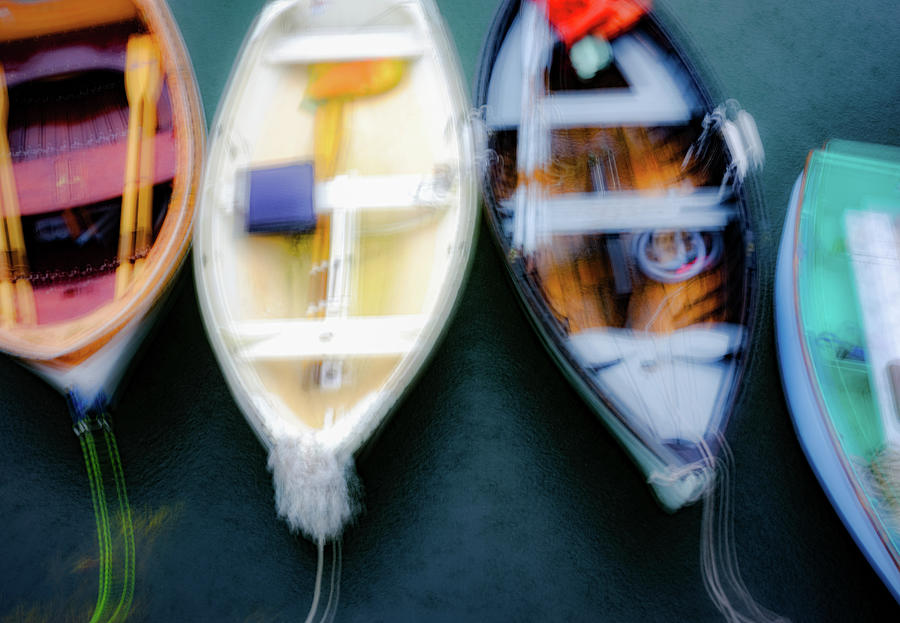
[(494, 494)]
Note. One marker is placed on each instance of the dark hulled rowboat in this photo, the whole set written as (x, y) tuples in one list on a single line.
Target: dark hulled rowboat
[(617, 199)]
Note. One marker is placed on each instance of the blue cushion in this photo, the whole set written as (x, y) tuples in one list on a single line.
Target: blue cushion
[(281, 199)]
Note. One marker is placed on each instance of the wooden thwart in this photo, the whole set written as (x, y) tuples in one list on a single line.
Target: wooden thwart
[(361, 336), (589, 213), (336, 46)]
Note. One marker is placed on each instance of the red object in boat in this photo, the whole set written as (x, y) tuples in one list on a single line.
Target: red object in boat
[(573, 19)]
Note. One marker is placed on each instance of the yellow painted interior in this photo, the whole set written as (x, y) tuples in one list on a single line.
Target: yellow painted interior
[(391, 133)]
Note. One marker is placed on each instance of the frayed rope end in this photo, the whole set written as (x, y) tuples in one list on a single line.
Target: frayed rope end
[(316, 493)]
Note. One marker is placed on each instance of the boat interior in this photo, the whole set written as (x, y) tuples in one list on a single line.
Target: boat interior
[(337, 228), (87, 158), (611, 194), (847, 286)]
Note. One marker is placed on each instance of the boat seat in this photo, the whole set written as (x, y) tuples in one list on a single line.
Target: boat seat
[(24, 20), (315, 339), (655, 95), (875, 255), (382, 192), (611, 212), (668, 383), (329, 45)]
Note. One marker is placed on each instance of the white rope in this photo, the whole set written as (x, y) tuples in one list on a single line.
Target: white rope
[(334, 592), (718, 554), (318, 590)]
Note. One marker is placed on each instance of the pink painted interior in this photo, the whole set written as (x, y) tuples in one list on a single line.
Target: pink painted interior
[(74, 154), (83, 177), (67, 301)]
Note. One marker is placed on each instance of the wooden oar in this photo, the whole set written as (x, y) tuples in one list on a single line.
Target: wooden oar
[(328, 135), (139, 63), (148, 161), (16, 267), (331, 86), (7, 292)]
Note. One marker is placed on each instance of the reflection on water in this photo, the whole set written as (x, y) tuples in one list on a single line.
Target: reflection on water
[(79, 571)]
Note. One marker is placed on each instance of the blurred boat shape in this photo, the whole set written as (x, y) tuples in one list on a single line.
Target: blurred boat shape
[(837, 296), (99, 161), (614, 188), (617, 193), (336, 224)]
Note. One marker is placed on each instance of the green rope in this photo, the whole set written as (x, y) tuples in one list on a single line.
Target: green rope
[(127, 529), (102, 528), (115, 531)]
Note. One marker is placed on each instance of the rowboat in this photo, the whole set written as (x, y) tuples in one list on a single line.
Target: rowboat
[(99, 162), (837, 290), (618, 195), (615, 191), (335, 227)]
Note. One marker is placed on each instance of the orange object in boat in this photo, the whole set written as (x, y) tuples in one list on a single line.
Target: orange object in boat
[(354, 78), (573, 19)]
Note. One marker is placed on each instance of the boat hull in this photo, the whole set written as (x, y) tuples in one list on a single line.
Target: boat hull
[(331, 319), (579, 286), (86, 327), (830, 441)]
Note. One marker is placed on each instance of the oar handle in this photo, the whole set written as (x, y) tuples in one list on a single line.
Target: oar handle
[(129, 200), (141, 80), (144, 230), (15, 261)]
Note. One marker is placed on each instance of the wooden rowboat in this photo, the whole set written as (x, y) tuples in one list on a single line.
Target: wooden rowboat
[(70, 171), (614, 189), (336, 222), (100, 155), (837, 289)]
